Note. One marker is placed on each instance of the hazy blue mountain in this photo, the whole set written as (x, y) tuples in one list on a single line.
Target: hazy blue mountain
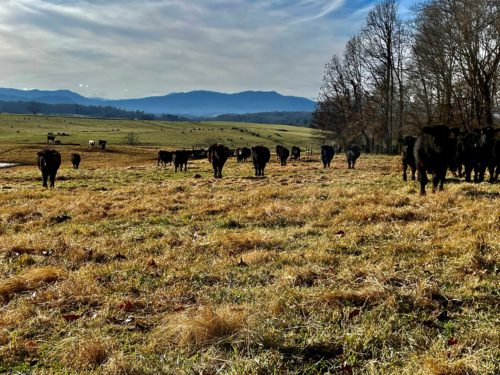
[(189, 103)]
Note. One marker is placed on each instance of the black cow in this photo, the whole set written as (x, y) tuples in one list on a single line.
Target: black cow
[(242, 154), (51, 138), (102, 144), (295, 153), (75, 160), (352, 154), (260, 157), (431, 151), (452, 150), (180, 159), (407, 156), (198, 154), (217, 155), (327, 154), (468, 155), (283, 155), (278, 151), (164, 157), (487, 157), (49, 162)]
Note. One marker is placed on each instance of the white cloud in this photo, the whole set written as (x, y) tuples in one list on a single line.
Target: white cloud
[(152, 47)]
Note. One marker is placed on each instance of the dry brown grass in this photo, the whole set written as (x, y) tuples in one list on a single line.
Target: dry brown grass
[(195, 329), (305, 271)]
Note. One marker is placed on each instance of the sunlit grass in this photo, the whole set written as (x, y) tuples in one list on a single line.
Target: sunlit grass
[(304, 271)]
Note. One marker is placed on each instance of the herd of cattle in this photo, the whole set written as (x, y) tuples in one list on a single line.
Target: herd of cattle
[(434, 151), (439, 149)]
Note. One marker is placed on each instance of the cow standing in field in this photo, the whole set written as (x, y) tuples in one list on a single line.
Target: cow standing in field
[(92, 143), (48, 162), (327, 154), (75, 160), (431, 155), (352, 154), (260, 157), (295, 153), (51, 138), (180, 159), (283, 155), (487, 154), (468, 155), (164, 157), (102, 144), (278, 151), (242, 154), (407, 156), (217, 155)]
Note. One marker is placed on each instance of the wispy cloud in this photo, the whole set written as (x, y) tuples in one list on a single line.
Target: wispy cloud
[(124, 48)]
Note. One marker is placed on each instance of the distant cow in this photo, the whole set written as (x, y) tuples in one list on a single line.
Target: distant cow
[(352, 154), (217, 155), (278, 151), (197, 154), (327, 154), (92, 143), (164, 157), (295, 153), (242, 154), (260, 157), (51, 138), (48, 162), (102, 144), (180, 159), (467, 155), (431, 151), (75, 160), (283, 155), (487, 153), (407, 156)]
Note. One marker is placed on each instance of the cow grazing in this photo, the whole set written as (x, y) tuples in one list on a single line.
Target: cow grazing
[(180, 159), (92, 143), (49, 162), (431, 151), (164, 157), (102, 144), (283, 155), (352, 154), (327, 154), (217, 155), (260, 157), (242, 154), (75, 160), (295, 153), (407, 156)]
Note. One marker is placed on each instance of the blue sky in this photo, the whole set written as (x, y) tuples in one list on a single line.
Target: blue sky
[(135, 48)]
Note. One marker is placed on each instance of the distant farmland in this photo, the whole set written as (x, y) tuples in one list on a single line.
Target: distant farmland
[(22, 129)]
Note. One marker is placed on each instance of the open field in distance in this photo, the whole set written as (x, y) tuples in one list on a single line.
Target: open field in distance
[(128, 268), (26, 129)]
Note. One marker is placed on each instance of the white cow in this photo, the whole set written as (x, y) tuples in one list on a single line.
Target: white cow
[(91, 143)]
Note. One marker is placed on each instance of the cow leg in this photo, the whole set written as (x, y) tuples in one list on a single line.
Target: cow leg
[(52, 179), (491, 170), (436, 177), (45, 177), (405, 167), (422, 177), (413, 169)]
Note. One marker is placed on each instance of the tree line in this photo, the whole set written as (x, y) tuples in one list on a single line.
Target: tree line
[(81, 110), (396, 76)]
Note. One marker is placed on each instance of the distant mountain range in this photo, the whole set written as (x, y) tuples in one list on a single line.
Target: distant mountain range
[(194, 103)]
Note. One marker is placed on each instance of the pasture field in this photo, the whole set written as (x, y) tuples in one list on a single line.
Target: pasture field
[(128, 268), (26, 129)]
